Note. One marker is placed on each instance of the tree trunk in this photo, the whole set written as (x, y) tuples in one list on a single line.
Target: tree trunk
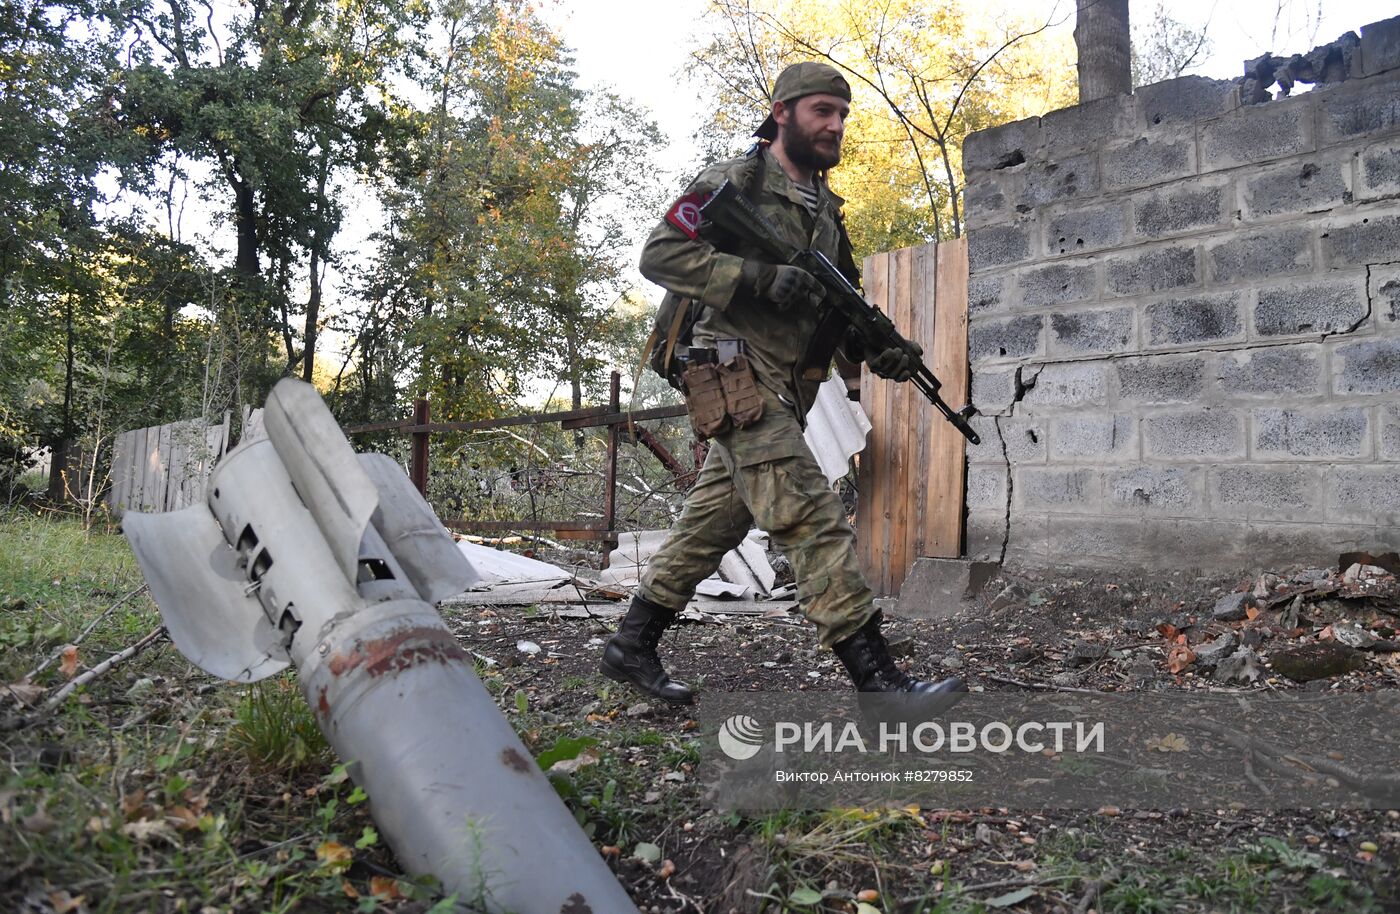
[(318, 242), (63, 446), (1105, 49)]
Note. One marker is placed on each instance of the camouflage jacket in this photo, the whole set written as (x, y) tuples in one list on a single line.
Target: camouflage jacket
[(706, 268)]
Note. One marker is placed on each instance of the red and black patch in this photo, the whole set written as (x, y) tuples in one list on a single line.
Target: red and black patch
[(685, 214)]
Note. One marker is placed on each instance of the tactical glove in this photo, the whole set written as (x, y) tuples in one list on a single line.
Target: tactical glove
[(783, 285), (895, 362)]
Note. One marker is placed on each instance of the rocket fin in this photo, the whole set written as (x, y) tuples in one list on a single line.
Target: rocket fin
[(323, 468), (201, 592), (435, 566)]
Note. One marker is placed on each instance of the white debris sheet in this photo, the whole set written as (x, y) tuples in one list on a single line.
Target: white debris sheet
[(496, 566), (744, 572), (836, 429)]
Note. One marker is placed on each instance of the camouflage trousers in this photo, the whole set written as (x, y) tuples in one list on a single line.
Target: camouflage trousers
[(786, 497)]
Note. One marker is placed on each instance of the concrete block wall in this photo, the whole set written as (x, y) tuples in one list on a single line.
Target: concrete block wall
[(1184, 325)]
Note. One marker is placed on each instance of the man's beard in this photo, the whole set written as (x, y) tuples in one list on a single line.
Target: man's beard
[(805, 153)]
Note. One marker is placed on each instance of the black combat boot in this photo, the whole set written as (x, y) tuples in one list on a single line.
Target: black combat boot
[(630, 655), (867, 659)]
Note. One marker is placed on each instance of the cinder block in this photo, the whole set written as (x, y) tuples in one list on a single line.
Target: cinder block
[(1184, 100), (939, 588), (1358, 108), (1189, 435), (983, 202), (1300, 434), (1069, 384), (984, 294), (1380, 46), (1153, 270), (1160, 380), (1085, 126), (1198, 319), (1385, 293), (986, 534), (1049, 182), (1370, 491), (1257, 133), (1056, 488), (1013, 338), (1311, 187), (1379, 171), (1370, 367), (1028, 541), (993, 391), (994, 245), (986, 488), (1251, 491), (1147, 161), (1284, 370), (990, 450), (1056, 284), (1278, 252), (1390, 433), (1002, 147), (1101, 330), (1024, 438), (1171, 490), (1088, 229), (1358, 242), (1334, 306), (1096, 542), (1180, 209), (1094, 438)]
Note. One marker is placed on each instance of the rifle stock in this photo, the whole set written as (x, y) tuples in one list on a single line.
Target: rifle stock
[(732, 211)]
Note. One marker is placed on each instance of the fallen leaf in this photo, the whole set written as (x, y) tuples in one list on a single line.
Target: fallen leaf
[(1172, 742), (386, 887), (570, 765), (1023, 866), (63, 903), (148, 830), (348, 889), (1168, 631), (69, 665), (334, 856), (1252, 612), (25, 691), (1179, 658), (646, 852), (182, 817)]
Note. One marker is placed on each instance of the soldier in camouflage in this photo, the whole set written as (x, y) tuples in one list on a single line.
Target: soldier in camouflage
[(763, 474)]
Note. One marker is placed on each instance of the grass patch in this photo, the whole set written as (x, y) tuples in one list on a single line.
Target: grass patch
[(274, 727)]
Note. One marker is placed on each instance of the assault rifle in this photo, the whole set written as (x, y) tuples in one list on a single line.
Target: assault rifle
[(729, 209)]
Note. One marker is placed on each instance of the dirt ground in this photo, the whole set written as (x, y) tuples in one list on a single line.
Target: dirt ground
[(1020, 633)]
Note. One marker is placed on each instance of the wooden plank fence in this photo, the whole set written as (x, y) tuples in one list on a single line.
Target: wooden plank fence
[(165, 467), (912, 472)]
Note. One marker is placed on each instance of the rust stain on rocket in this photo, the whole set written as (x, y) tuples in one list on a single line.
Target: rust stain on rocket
[(399, 651), (576, 904), (322, 705), (512, 757)]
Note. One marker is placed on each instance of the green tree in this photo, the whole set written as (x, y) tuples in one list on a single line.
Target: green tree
[(923, 76)]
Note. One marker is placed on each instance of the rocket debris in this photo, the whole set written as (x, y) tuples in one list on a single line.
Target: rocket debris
[(309, 555)]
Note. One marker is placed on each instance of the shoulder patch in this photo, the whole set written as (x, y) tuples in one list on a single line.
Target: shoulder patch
[(685, 214)]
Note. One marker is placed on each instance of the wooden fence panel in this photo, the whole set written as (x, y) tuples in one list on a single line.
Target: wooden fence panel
[(164, 467), (912, 472)]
